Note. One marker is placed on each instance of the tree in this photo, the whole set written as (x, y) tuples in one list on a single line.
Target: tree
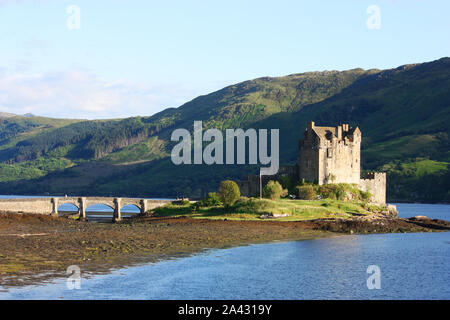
[(306, 192), (273, 190), (213, 199), (229, 192)]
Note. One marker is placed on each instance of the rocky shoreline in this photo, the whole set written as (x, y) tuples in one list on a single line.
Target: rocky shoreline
[(36, 248), (379, 224)]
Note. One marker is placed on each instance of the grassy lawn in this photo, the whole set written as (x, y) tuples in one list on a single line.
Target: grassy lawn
[(252, 209)]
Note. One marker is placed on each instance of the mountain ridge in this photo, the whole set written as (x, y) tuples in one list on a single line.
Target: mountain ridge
[(402, 112)]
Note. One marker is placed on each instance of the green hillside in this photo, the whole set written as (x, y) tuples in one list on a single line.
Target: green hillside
[(403, 114)]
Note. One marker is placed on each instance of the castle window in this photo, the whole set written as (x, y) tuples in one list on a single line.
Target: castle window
[(329, 153)]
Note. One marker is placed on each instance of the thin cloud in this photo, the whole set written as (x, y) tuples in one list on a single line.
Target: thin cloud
[(81, 94), (3, 2)]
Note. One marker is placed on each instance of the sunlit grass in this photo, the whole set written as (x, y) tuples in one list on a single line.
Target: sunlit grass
[(253, 209)]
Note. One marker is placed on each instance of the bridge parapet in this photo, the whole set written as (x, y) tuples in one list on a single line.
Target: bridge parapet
[(49, 206), (33, 205)]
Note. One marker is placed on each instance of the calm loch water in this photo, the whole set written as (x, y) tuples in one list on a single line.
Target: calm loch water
[(412, 266)]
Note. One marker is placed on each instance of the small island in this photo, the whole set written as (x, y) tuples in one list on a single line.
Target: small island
[(321, 196), (37, 247)]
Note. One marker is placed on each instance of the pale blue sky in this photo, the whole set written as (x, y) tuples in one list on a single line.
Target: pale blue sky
[(137, 57)]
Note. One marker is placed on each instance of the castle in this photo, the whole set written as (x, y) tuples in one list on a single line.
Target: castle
[(327, 155)]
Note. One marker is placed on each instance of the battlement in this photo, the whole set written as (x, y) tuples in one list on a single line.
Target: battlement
[(330, 154), (327, 155), (340, 133), (374, 175), (375, 183)]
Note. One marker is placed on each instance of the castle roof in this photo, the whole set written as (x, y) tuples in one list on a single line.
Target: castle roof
[(330, 132), (325, 132)]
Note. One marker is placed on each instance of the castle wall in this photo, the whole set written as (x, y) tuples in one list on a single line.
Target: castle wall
[(339, 162), (309, 158), (244, 187), (249, 187), (288, 171), (330, 155), (375, 183), (326, 155)]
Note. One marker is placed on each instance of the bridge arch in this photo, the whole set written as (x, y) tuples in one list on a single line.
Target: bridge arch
[(130, 207), (69, 201), (50, 206), (99, 209), (68, 207), (90, 208), (89, 202)]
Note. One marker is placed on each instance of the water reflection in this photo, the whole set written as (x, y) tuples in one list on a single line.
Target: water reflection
[(413, 266), (98, 212)]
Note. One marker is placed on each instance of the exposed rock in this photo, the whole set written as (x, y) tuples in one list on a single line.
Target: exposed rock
[(279, 215), (272, 216), (421, 218), (392, 210)]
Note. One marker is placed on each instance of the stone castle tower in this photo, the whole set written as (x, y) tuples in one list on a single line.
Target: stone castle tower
[(327, 155), (330, 154)]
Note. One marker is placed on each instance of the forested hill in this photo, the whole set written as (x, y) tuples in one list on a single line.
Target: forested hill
[(403, 114)]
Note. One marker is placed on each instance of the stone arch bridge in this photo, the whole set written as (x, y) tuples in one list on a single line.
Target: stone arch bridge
[(49, 206)]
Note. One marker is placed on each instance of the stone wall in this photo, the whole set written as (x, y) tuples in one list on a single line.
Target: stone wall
[(32, 206), (330, 154), (326, 155), (375, 183), (49, 206), (339, 162), (308, 156)]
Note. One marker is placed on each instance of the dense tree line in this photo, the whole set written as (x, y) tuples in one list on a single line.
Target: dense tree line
[(91, 139)]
